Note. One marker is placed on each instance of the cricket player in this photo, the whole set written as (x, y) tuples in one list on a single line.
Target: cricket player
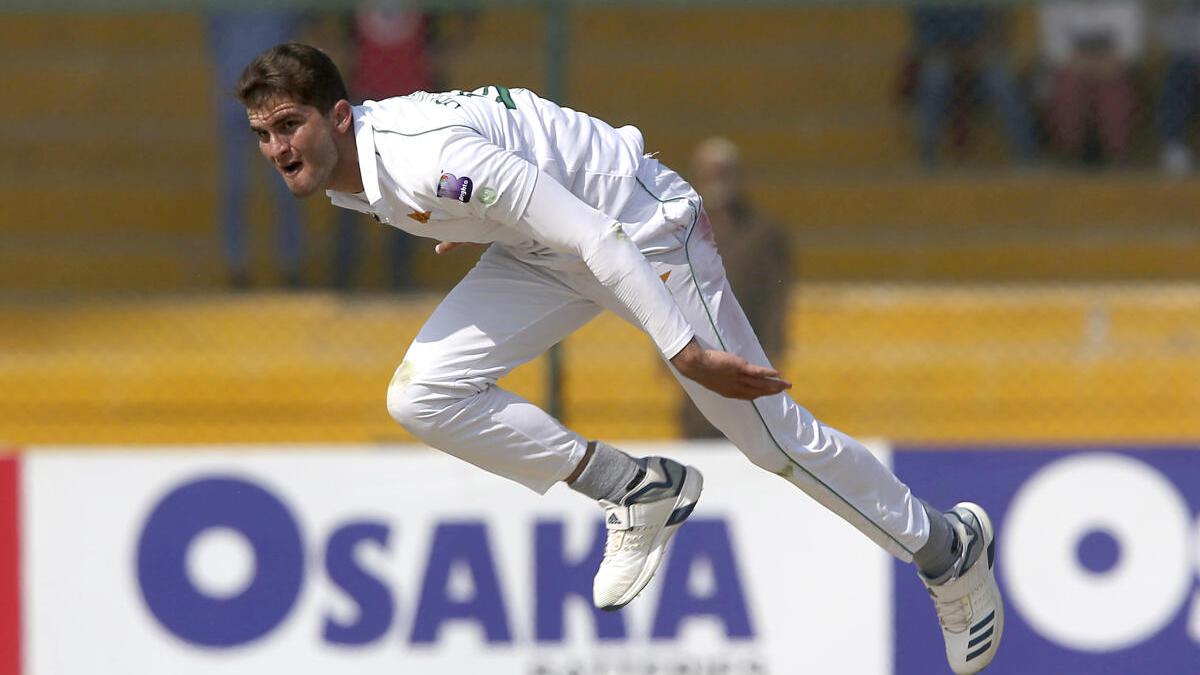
[(579, 220)]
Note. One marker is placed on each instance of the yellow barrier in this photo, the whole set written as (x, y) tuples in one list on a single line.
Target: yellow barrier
[(993, 364)]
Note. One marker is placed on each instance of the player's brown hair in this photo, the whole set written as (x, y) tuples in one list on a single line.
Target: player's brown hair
[(300, 72)]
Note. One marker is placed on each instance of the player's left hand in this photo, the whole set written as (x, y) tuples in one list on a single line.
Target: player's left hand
[(728, 374), (444, 247)]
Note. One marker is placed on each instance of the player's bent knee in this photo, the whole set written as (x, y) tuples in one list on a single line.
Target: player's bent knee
[(425, 407), (411, 405), (408, 399)]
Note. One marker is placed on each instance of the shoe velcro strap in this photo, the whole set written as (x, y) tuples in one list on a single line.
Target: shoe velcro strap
[(617, 518)]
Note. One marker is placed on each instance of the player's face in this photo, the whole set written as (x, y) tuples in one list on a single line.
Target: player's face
[(298, 140)]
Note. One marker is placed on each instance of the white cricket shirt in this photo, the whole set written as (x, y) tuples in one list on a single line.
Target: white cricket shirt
[(465, 166)]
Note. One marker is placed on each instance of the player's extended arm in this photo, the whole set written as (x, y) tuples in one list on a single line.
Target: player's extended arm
[(727, 374), (562, 221)]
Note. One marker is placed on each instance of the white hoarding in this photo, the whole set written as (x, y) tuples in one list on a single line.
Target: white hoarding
[(259, 561)]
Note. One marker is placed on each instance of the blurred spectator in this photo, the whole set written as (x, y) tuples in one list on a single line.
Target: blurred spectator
[(1091, 48), (234, 39), (394, 52), (1179, 32), (755, 252), (961, 58)]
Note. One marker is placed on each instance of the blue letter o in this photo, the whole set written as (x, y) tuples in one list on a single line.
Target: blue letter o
[(162, 562)]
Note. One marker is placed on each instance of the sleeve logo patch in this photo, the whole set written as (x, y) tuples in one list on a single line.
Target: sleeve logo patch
[(488, 196), (453, 187)]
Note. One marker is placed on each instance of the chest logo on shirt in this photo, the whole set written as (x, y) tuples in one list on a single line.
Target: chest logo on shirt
[(453, 187), (420, 216)]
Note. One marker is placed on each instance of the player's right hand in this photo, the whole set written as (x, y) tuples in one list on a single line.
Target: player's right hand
[(728, 374)]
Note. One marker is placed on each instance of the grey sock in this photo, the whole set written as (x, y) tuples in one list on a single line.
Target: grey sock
[(607, 475), (942, 550)]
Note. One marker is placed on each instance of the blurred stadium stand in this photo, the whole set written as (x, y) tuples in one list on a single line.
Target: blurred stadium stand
[(976, 301)]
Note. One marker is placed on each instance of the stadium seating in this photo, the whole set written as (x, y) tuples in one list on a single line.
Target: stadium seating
[(110, 184), (108, 165), (110, 177)]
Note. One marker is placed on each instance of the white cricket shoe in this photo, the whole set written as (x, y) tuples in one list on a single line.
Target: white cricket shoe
[(966, 598), (662, 496)]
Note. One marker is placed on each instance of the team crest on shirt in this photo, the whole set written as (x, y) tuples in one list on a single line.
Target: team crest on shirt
[(453, 187), (488, 196)]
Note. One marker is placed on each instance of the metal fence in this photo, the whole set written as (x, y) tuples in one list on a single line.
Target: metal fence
[(988, 213)]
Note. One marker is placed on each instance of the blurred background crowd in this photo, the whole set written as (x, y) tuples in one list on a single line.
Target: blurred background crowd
[(1100, 84), (955, 221)]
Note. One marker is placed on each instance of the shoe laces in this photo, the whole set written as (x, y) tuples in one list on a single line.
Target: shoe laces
[(954, 615), (618, 540)]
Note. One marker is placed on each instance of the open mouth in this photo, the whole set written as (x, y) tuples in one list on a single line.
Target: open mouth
[(290, 170)]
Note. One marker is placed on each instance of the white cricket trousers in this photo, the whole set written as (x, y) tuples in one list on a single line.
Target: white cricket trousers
[(506, 312)]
